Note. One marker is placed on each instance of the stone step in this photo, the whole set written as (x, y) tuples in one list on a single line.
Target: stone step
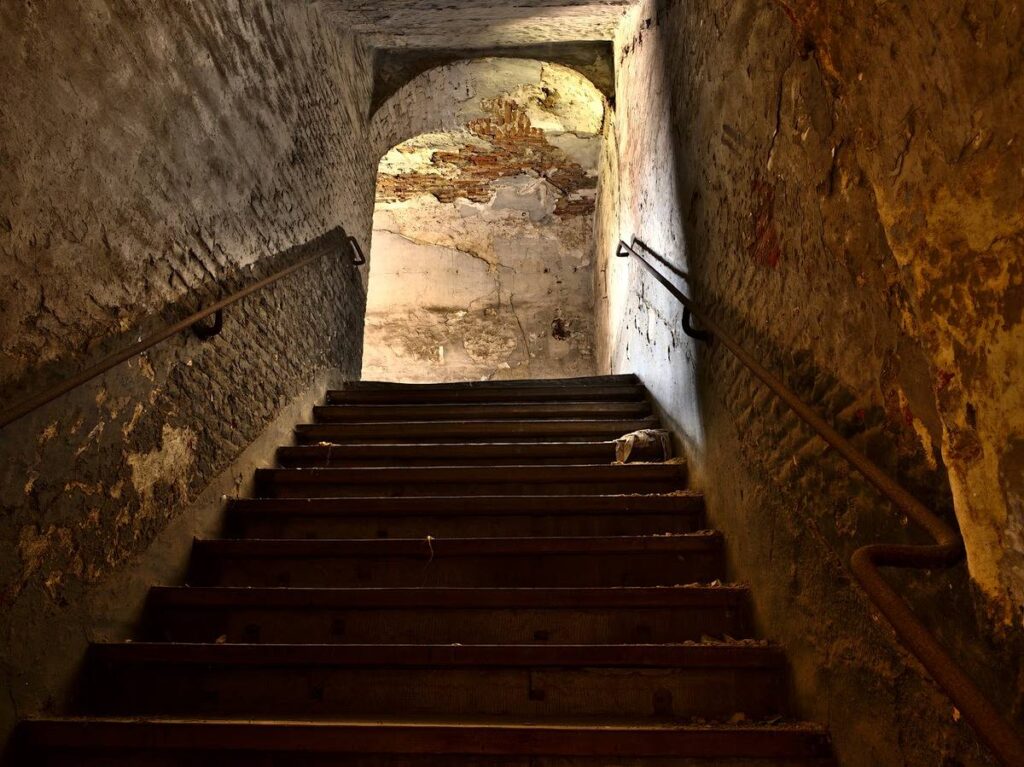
[(557, 430), (445, 615), (457, 453), (88, 742), (489, 392), (475, 480), (651, 560), (487, 411), (466, 516), (711, 681)]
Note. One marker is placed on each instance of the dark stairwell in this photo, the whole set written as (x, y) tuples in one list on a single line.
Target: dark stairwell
[(836, 187), (386, 599)]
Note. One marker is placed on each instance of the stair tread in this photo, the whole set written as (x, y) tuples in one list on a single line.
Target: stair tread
[(489, 430), (621, 392), (429, 548), (605, 390), (417, 446), (624, 379), (542, 422), (401, 453), (500, 472), (679, 655), (570, 738), (477, 411), (479, 505), (452, 597)]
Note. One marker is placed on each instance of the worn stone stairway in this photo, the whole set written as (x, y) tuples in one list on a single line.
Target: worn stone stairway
[(448, 575)]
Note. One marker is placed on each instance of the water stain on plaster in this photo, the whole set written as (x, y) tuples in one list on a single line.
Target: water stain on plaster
[(169, 464), (483, 236), (502, 145)]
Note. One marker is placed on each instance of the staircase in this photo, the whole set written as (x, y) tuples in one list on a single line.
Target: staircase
[(448, 575)]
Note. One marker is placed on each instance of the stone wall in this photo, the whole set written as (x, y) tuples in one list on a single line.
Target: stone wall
[(154, 155), (481, 265), (842, 188)]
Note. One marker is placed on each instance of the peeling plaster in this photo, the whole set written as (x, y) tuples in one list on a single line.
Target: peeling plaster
[(483, 243), (169, 464)]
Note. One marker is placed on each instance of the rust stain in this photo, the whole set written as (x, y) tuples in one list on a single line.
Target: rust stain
[(810, 23), (764, 245)]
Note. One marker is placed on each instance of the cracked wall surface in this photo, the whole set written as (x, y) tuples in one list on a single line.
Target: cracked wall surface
[(475, 23), (483, 231), (155, 156), (841, 184)]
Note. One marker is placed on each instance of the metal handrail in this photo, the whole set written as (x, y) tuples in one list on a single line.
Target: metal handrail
[(946, 551), (327, 243)]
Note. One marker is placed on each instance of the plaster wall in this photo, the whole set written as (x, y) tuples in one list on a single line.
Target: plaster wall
[(481, 264), (154, 156), (864, 240)]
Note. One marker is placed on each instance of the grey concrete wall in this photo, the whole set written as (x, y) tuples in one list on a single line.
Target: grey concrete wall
[(838, 188), (154, 155)]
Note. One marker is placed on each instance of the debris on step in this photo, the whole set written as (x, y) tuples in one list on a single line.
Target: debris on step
[(659, 438)]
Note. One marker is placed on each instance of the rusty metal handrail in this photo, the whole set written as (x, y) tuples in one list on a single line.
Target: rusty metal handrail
[(946, 551), (326, 243)]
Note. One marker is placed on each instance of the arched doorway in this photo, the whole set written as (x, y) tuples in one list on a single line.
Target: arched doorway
[(483, 244)]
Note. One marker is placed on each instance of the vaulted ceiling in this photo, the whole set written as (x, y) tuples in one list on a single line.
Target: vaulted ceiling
[(408, 37), (476, 23)]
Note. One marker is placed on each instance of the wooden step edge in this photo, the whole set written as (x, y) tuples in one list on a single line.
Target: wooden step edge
[(563, 406), (442, 453), (599, 472), (370, 737), (472, 412), (426, 447), (434, 548), (625, 379), (580, 598), (444, 449), (611, 428), (675, 656), (497, 395), (641, 421), (681, 502)]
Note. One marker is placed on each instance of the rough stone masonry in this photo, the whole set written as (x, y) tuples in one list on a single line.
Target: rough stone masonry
[(152, 156), (841, 183)]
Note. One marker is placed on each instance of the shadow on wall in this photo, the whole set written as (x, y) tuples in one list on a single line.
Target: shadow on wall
[(481, 262), (640, 325), (736, 160)]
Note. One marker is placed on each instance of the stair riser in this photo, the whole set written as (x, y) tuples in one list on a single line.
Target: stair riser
[(189, 758), (320, 461), (617, 393), (607, 569), (492, 474), (558, 431), (292, 525), (350, 490), (326, 691), (527, 384), (544, 454), (479, 412), (442, 626)]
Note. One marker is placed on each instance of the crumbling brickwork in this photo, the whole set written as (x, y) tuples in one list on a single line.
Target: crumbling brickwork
[(155, 156)]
